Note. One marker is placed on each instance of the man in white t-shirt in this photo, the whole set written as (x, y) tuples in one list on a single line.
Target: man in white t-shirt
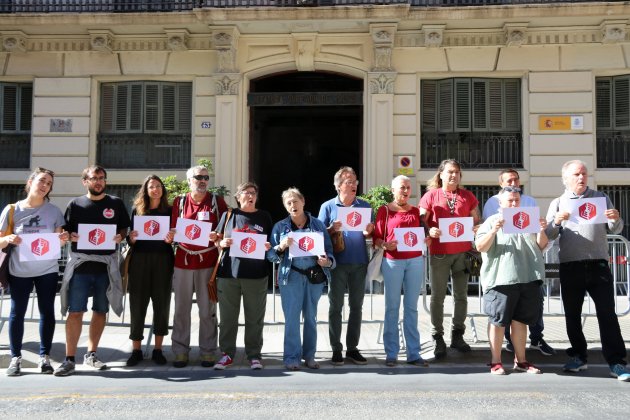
[(510, 178)]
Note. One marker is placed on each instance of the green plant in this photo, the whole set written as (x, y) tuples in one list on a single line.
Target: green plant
[(378, 196), (174, 187)]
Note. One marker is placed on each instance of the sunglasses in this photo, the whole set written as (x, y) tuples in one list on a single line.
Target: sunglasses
[(201, 177)]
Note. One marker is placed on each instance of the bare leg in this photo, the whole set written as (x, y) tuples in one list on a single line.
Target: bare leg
[(158, 342), (137, 344), (495, 334), (97, 325), (74, 324), (519, 338)]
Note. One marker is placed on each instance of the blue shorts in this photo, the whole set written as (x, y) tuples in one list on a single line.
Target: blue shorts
[(83, 286)]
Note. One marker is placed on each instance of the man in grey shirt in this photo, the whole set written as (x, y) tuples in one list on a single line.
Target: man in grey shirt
[(584, 268)]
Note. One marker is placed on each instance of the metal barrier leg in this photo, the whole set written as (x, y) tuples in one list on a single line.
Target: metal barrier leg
[(473, 328), (147, 344)]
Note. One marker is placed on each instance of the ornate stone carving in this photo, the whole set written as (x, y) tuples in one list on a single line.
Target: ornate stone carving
[(177, 39), (383, 42), (14, 41), (227, 84), (613, 31), (305, 52), (382, 82), (515, 34), (101, 40), (225, 41), (433, 35)]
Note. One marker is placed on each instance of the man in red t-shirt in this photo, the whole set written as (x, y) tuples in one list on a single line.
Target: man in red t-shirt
[(193, 267), (446, 199)]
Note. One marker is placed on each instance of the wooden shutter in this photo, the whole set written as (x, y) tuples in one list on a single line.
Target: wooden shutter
[(168, 107), (462, 105), (480, 104), (135, 110), (603, 102), (495, 104), (429, 105), (9, 107), (151, 107), (445, 106), (512, 104), (184, 107), (108, 107), (621, 102)]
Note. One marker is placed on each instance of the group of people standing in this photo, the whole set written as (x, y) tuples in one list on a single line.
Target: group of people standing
[(511, 275)]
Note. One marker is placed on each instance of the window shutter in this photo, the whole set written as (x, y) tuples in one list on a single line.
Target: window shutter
[(445, 106), (621, 102), (151, 104), (122, 107), (462, 105), (168, 107), (9, 107), (428, 106), (184, 98), (512, 104), (108, 106), (135, 108), (603, 101), (495, 104), (480, 105), (26, 107)]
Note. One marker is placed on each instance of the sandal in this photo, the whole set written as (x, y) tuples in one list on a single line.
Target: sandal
[(292, 367), (526, 367), (497, 369), (311, 364)]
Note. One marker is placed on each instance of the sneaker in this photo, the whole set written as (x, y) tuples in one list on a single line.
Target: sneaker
[(135, 358), (158, 357), (497, 369), (619, 371), (91, 360), (181, 360), (419, 362), (391, 362), (337, 358), (207, 360), (65, 369), (44, 364), (355, 357), (526, 367), (15, 367), (311, 364), (223, 362), (542, 347), (509, 347), (575, 364), (255, 364)]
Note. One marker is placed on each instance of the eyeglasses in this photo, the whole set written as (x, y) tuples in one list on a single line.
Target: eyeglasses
[(201, 177), (511, 189), (250, 193), (350, 183), (96, 179)]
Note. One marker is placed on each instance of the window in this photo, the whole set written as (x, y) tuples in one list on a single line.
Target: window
[(613, 121), (10, 193), (145, 125), (476, 121), (125, 192), (620, 197), (16, 111)]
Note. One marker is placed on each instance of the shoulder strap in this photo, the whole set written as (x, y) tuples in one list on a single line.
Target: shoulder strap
[(10, 226), (215, 206), (182, 201)]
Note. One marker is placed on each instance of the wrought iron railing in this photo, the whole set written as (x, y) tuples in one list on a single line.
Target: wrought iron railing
[(613, 149), (130, 6), (15, 151), (473, 150), (143, 151)]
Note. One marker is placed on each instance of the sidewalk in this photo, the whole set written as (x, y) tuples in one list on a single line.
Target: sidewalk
[(115, 345)]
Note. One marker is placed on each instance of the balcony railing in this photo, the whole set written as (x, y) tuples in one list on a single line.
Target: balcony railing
[(130, 6), (613, 149), (473, 150), (15, 151), (143, 151)]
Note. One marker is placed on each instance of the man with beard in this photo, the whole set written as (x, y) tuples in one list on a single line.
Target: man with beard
[(91, 272), (193, 267)]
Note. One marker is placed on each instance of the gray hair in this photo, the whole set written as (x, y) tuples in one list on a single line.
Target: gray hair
[(340, 172), (191, 172), (292, 192), (565, 168), (399, 180)]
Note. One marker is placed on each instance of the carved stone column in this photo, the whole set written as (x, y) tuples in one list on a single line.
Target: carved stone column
[(227, 159), (380, 139)]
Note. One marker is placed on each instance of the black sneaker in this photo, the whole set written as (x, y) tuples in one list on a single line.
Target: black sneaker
[(158, 357), (542, 347), (337, 358), (355, 357), (135, 358)]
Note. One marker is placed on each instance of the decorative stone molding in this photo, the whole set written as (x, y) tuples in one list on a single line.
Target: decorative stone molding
[(14, 41), (515, 34), (305, 51), (383, 42), (101, 40), (227, 83), (382, 82), (433, 35), (177, 39), (613, 31), (225, 41)]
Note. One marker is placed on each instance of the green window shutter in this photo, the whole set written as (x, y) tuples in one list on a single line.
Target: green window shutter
[(26, 107), (480, 104), (151, 107), (121, 112), (108, 107), (429, 105), (445, 106), (184, 107), (135, 110), (603, 101), (9, 107), (621, 102), (168, 107), (462, 105), (495, 104), (512, 104)]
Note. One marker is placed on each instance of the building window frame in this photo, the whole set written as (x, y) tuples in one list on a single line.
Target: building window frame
[(612, 99), (16, 119)]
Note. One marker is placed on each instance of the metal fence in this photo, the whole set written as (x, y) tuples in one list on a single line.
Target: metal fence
[(143, 151)]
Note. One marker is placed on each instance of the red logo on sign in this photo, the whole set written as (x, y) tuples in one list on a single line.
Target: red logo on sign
[(108, 213), (353, 219), (151, 227), (248, 245), (587, 211), (521, 220), (40, 247), (456, 229), (410, 239), (306, 244), (192, 232), (96, 237)]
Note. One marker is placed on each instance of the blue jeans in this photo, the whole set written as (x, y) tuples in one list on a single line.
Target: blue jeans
[(405, 275), (299, 297), (84, 285), (21, 287)]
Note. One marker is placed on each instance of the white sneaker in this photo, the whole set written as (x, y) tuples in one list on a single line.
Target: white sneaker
[(44, 364), (224, 362), (255, 364), (15, 367), (91, 360)]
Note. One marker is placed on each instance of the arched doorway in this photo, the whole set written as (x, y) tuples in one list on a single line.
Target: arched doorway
[(304, 126)]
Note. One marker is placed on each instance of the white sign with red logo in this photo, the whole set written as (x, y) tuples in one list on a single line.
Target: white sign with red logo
[(410, 239), (39, 246), (193, 232), (306, 244), (96, 237), (248, 245), (587, 211), (456, 229), (521, 219), (151, 228), (354, 218)]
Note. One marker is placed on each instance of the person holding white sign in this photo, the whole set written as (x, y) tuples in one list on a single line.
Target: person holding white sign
[(91, 272), (445, 198), (512, 272), (33, 215), (150, 267), (584, 268), (301, 279), (243, 277), (402, 270), (351, 266)]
